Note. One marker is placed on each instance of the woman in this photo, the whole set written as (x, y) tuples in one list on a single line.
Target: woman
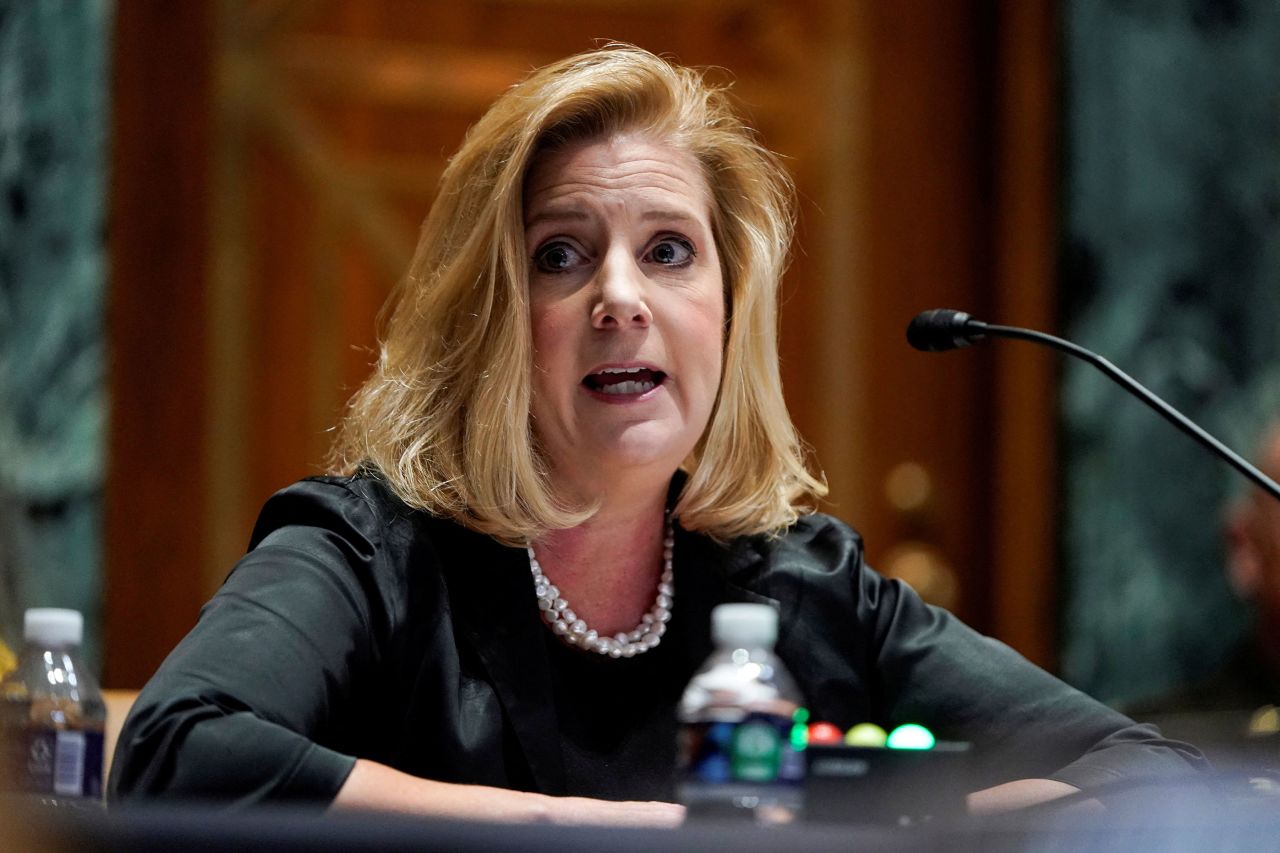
[(573, 446)]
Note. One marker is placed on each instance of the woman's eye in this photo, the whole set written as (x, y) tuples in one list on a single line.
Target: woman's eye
[(556, 257), (672, 252)]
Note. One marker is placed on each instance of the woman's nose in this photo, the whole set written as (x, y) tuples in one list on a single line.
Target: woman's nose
[(621, 299)]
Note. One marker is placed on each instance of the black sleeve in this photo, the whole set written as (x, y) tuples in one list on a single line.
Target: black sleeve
[(1022, 720), (250, 705)]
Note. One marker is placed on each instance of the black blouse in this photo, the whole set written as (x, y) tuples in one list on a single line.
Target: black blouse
[(617, 721), (358, 627)]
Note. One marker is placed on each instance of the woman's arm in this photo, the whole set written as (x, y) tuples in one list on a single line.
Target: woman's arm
[(239, 710), (896, 659), (376, 786), (1024, 724), (261, 702)]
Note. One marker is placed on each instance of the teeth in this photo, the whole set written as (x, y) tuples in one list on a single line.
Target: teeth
[(627, 387), (622, 370)]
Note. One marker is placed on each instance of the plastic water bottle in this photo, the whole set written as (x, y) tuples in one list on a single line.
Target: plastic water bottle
[(52, 712), (741, 736)]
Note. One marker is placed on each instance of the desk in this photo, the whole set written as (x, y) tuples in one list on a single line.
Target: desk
[(118, 703), (1174, 821)]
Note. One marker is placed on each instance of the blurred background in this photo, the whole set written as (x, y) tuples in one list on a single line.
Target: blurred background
[(205, 203)]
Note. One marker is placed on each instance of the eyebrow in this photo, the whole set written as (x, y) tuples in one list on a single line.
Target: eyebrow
[(669, 216), (660, 215), (554, 215)]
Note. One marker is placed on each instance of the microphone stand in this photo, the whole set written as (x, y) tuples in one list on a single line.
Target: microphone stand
[(978, 329)]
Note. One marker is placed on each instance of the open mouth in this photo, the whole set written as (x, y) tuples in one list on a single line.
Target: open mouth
[(624, 380)]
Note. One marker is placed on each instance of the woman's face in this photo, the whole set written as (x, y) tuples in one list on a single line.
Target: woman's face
[(627, 308)]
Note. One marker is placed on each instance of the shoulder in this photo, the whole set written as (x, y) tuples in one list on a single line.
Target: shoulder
[(814, 534), (816, 570), (353, 528), (361, 504), (818, 558), (353, 538), (815, 546), (359, 519)]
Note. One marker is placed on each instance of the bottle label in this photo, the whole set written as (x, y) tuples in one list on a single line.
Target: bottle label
[(756, 749), (63, 763)]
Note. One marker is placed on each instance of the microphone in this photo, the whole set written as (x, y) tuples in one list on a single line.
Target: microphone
[(942, 329)]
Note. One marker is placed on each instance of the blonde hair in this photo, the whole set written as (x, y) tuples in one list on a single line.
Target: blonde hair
[(444, 417)]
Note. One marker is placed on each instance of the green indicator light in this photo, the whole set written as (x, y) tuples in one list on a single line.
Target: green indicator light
[(910, 736), (799, 736), (800, 716), (866, 734)]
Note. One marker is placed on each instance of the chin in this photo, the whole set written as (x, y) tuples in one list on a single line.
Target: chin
[(650, 448)]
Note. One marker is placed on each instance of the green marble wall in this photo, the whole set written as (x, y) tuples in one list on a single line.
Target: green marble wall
[(1172, 270), (53, 156)]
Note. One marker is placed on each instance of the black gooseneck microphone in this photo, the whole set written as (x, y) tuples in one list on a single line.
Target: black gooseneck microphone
[(942, 329)]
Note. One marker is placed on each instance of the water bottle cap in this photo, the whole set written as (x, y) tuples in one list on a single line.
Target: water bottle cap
[(743, 625), (53, 626)]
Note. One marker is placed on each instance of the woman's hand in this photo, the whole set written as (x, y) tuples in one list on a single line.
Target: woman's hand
[(582, 810), (1023, 793), (378, 787)]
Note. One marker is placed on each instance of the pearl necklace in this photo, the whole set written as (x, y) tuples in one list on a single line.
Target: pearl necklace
[(625, 644)]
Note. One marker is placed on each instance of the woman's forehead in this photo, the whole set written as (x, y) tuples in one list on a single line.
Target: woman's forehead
[(632, 165)]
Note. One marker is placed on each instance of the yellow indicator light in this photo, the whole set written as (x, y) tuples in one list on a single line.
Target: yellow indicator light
[(910, 736), (866, 734)]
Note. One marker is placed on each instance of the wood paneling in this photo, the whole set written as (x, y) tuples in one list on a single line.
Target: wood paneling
[(1024, 497), (319, 129), (155, 512), (929, 247)]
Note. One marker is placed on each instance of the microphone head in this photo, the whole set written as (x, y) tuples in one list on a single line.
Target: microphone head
[(941, 329)]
